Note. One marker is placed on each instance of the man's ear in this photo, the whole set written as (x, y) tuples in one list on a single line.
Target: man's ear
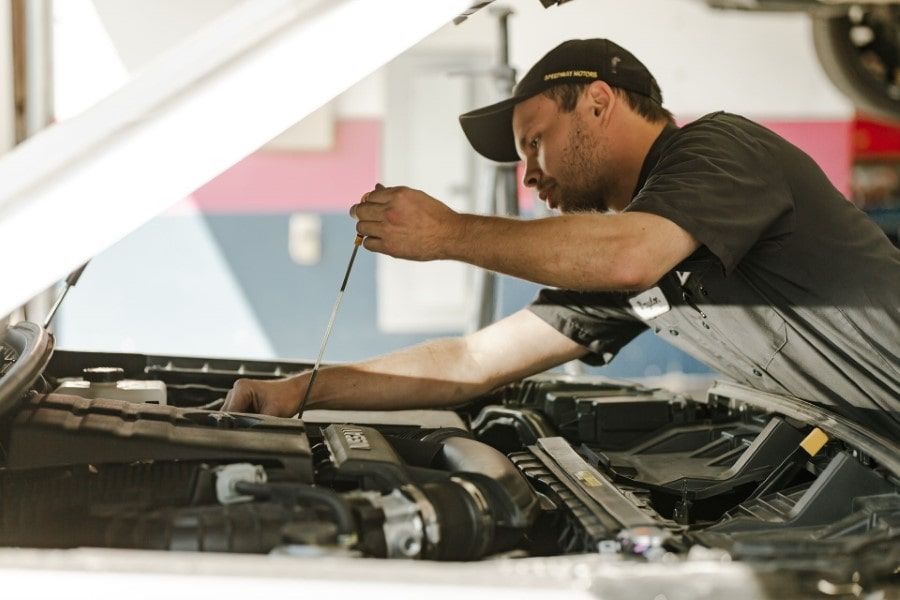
[(601, 97)]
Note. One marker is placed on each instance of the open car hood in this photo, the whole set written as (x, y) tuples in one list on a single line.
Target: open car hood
[(261, 67)]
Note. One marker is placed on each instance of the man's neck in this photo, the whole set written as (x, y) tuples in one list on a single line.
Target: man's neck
[(637, 136)]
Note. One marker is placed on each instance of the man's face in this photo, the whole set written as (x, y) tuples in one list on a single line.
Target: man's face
[(566, 155)]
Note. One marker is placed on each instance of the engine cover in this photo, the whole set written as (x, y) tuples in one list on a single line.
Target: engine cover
[(56, 430)]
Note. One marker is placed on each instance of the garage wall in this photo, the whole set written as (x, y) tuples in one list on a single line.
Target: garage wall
[(215, 276)]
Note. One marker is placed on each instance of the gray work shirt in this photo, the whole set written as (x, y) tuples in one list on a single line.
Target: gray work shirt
[(793, 291)]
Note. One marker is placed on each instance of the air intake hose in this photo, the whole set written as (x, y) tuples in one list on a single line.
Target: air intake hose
[(512, 499), (465, 501)]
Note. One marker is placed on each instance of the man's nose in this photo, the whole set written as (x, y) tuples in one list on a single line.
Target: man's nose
[(532, 176)]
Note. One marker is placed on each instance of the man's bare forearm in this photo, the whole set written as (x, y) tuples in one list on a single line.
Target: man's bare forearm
[(445, 372), (586, 251), (435, 374)]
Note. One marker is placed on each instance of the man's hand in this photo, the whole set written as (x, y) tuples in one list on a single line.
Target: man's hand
[(277, 397), (406, 223)]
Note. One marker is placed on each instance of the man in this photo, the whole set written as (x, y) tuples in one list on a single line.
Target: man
[(720, 236)]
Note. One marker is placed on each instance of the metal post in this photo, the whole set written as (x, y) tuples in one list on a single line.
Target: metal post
[(38, 65), (7, 94), (34, 95), (502, 191)]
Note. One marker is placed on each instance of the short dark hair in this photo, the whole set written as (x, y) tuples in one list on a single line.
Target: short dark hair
[(566, 96)]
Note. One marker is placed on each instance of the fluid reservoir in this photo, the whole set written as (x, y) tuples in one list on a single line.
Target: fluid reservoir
[(110, 383)]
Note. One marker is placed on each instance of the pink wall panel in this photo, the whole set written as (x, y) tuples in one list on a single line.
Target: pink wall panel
[(282, 182), (829, 143)]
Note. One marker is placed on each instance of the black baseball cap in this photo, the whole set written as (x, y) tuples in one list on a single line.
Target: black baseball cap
[(489, 129)]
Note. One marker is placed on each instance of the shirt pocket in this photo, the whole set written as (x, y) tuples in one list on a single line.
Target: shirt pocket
[(756, 334), (775, 334)]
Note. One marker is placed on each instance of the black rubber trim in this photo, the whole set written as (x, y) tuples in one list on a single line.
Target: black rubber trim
[(34, 347)]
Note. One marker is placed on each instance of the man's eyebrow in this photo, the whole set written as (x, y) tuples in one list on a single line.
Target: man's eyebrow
[(523, 141)]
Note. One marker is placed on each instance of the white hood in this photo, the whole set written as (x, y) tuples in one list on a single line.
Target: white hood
[(79, 186)]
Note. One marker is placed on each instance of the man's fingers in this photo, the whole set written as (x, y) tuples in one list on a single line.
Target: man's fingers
[(374, 244), (379, 195), (239, 397), (365, 197), (370, 212), (370, 228), (370, 196), (270, 410), (235, 401), (367, 211)]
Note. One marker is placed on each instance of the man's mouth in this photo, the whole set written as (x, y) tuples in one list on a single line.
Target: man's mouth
[(546, 195)]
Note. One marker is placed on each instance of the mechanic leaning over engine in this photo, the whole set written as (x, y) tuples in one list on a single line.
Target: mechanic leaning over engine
[(720, 236)]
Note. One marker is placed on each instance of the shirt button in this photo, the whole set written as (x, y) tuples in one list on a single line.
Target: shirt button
[(757, 372), (673, 331)]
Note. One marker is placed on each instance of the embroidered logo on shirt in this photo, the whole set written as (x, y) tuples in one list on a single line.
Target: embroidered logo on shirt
[(650, 304)]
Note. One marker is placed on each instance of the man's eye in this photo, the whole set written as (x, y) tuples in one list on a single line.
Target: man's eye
[(534, 142)]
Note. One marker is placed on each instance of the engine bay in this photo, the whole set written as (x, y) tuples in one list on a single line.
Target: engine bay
[(548, 466)]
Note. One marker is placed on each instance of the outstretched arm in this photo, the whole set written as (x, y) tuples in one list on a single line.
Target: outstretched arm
[(435, 374)]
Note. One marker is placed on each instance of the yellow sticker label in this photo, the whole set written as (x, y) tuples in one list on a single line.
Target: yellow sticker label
[(814, 441), (587, 478), (561, 74)]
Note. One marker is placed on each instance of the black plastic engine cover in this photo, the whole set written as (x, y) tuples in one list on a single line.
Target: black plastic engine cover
[(609, 414), (704, 460), (58, 430)]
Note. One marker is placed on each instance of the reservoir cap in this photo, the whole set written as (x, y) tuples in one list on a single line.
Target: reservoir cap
[(104, 374)]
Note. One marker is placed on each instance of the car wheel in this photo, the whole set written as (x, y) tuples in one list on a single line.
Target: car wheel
[(860, 52)]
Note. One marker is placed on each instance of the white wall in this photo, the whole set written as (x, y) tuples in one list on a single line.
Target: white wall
[(366, 100), (762, 65), (759, 64)]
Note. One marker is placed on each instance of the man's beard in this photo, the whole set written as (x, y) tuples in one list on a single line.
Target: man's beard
[(583, 188)]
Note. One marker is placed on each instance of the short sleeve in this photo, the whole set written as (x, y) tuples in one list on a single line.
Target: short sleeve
[(599, 321), (723, 186)]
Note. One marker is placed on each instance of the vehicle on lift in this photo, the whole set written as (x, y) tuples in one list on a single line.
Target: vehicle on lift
[(858, 45)]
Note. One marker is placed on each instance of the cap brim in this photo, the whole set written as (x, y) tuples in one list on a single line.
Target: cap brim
[(490, 131)]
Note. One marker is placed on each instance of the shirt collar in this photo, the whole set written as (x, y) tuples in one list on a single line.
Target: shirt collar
[(653, 156)]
